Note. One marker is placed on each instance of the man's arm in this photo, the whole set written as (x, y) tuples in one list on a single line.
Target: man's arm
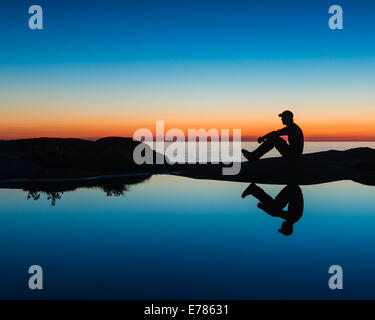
[(281, 132), (273, 211)]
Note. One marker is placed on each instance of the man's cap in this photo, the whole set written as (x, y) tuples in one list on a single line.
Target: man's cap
[(286, 113)]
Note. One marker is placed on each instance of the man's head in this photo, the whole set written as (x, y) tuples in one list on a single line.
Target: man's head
[(286, 228), (286, 117)]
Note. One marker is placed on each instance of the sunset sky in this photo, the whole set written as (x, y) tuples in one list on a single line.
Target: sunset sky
[(104, 68)]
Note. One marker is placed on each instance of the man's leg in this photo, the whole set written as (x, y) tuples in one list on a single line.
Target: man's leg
[(259, 152), (264, 147), (267, 203), (271, 142), (257, 193), (283, 197), (283, 147)]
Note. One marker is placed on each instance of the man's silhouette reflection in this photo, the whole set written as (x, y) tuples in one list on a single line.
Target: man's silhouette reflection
[(291, 195)]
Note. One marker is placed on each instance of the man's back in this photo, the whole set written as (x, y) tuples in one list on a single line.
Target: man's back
[(295, 139)]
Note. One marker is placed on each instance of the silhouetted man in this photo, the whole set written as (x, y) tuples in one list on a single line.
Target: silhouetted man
[(291, 151), (291, 195)]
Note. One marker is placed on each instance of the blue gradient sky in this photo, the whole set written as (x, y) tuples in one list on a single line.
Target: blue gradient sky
[(110, 67)]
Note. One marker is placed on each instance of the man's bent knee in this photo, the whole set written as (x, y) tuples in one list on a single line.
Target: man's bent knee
[(276, 141), (275, 138)]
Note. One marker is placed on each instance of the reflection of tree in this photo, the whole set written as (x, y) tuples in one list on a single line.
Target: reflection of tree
[(35, 195), (51, 196), (54, 190), (115, 190)]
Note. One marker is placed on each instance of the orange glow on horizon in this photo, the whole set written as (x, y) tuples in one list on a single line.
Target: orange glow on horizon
[(92, 127)]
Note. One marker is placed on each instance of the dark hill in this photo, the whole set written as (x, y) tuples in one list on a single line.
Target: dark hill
[(64, 158)]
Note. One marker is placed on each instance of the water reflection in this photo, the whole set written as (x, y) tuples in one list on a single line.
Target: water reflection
[(51, 196), (53, 191), (290, 196)]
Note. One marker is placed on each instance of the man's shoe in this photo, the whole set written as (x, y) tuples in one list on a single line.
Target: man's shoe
[(248, 155), (249, 190)]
